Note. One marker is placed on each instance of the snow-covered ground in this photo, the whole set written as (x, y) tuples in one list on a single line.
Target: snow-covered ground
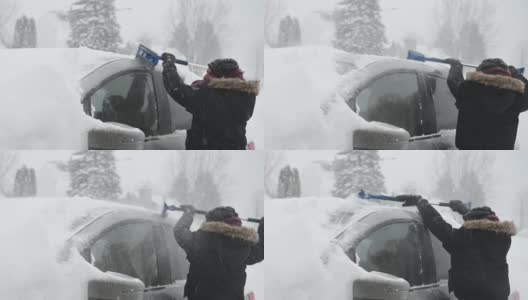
[(299, 236)]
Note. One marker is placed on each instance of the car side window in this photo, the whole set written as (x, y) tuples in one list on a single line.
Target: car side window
[(392, 249), (173, 262), (128, 249), (444, 103), (128, 99), (442, 258), (393, 99)]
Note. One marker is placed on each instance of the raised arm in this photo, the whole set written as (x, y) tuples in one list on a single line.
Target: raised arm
[(182, 230), (523, 99), (431, 218), (455, 77), (257, 251), (174, 85)]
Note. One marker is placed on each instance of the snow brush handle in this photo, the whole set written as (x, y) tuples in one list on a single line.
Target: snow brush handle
[(197, 211)]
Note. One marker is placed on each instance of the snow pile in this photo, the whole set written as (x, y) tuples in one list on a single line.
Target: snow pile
[(34, 231), (298, 237), (301, 107), (41, 106)]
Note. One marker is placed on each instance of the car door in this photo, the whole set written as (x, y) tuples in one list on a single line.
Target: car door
[(442, 261), (394, 98), (396, 248), (440, 112), (128, 98), (130, 248), (172, 266)]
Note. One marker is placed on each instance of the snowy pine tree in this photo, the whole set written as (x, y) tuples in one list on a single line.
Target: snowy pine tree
[(206, 44), (25, 183), (25, 35), (357, 170), (180, 189), (206, 193), (358, 27), (94, 25), (93, 174), (181, 39)]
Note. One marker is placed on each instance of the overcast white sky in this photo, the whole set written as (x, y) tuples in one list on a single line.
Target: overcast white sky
[(402, 18)]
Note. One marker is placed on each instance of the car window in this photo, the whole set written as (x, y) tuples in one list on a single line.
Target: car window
[(444, 102), (128, 249), (173, 263), (392, 249), (442, 258), (128, 99), (393, 99)]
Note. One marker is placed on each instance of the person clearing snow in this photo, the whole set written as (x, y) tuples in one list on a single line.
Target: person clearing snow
[(479, 269), (489, 102), (218, 253), (221, 104)]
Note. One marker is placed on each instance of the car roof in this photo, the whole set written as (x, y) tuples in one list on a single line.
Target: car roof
[(108, 69)]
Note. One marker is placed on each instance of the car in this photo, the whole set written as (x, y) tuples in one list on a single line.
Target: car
[(392, 243), (117, 251), (409, 103), (130, 92)]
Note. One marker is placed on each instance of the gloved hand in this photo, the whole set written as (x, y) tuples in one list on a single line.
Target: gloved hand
[(454, 62), (188, 209), (170, 72), (409, 200), (458, 206)]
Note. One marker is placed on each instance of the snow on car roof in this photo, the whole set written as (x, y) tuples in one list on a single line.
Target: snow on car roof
[(41, 102)]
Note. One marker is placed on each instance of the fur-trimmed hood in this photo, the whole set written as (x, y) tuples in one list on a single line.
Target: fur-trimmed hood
[(506, 227), (498, 81), (236, 232), (235, 84)]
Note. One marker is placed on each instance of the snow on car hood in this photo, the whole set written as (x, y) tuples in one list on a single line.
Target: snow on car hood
[(40, 107), (33, 233)]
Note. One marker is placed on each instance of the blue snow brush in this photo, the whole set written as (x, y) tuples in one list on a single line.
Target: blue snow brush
[(167, 208), (366, 196), (417, 56), (152, 58)]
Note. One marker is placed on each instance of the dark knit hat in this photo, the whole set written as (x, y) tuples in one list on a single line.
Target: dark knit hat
[(225, 67), (224, 214), (494, 66), (480, 213)]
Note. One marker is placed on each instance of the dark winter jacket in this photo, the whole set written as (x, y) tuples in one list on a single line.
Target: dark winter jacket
[(478, 254), (221, 109), (218, 254), (489, 108)]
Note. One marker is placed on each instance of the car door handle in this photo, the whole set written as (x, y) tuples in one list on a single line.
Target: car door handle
[(153, 138)]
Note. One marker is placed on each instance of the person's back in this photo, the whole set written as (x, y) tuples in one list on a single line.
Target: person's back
[(478, 249), (218, 254), (221, 104), (479, 269), (489, 102)]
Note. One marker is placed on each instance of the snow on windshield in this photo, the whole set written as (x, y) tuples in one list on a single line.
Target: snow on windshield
[(302, 109), (299, 236), (37, 229), (41, 102)]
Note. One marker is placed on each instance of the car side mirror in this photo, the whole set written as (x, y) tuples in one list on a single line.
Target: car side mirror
[(116, 286), (380, 136), (381, 286), (115, 136)]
